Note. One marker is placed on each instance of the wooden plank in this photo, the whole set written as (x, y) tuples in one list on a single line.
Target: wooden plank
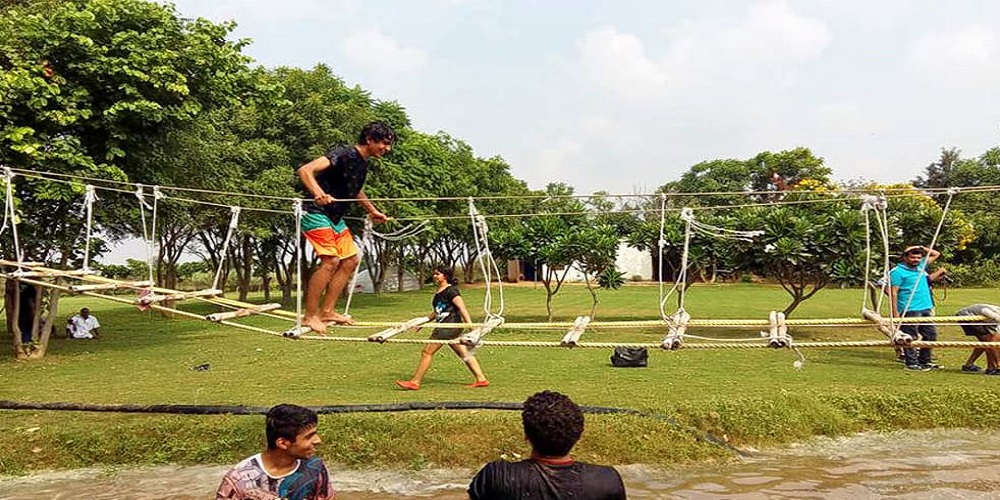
[(396, 330), (572, 337), (241, 313)]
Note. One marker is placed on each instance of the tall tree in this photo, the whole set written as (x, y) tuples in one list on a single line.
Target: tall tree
[(87, 88)]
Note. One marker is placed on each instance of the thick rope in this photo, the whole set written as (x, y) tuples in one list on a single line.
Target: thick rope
[(762, 343), (55, 177), (403, 233), (354, 275), (9, 211), (883, 220), (234, 221), (143, 206), (297, 209), (922, 267), (89, 198), (488, 265), (661, 243)]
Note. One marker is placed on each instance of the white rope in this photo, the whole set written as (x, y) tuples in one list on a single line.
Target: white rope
[(661, 243), (354, 276), (8, 196), (234, 221), (883, 296), (922, 266), (89, 198), (10, 212), (488, 265), (834, 195), (691, 226), (153, 239), (143, 206), (400, 234), (870, 203), (297, 210)]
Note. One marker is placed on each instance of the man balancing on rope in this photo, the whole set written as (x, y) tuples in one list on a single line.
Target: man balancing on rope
[(338, 175), (911, 297)]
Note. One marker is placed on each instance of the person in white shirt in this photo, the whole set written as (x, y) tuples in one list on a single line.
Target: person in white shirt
[(83, 325)]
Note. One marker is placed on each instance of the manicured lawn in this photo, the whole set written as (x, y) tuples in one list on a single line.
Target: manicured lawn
[(145, 358)]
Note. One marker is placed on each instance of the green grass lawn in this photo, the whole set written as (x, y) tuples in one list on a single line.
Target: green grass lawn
[(145, 358)]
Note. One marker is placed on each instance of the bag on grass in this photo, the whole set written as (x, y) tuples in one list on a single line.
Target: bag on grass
[(629, 357)]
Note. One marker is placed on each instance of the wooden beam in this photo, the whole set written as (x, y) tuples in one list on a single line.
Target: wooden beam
[(473, 337), (572, 337), (153, 298), (396, 330), (240, 313)]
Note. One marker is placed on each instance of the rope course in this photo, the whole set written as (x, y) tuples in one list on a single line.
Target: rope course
[(675, 326)]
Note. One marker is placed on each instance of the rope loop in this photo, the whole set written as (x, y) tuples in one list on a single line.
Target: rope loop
[(90, 194), (141, 195)]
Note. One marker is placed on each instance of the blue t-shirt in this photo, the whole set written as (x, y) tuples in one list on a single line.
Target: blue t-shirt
[(912, 281)]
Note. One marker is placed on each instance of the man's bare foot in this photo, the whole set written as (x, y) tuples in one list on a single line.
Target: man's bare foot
[(315, 324), (335, 317)]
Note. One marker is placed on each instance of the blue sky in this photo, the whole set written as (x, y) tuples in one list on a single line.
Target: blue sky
[(625, 96)]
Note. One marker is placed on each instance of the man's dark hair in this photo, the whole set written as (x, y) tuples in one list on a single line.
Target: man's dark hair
[(287, 421), (376, 131), (553, 423)]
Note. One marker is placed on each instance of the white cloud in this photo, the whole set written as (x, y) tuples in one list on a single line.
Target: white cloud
[(555, 161), (597, 126), (767, 43), (618, 62), (966, 56), (844, 117), (379, 53)]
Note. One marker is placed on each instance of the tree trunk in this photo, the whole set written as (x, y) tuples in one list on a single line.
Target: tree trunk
[(12, 303), (593, 296), (244, 267), (548, 297), (400, 270)]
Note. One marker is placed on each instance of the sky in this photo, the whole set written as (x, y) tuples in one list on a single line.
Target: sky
[(625, 96)]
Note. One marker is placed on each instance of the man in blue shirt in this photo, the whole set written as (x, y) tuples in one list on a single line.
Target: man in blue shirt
[(911, 297)]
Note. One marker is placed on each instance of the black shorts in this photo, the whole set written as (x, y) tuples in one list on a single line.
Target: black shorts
[(446, 333), (978, 330)]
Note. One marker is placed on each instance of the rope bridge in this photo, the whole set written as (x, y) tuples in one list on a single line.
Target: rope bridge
[(93, 284), (89, 283)]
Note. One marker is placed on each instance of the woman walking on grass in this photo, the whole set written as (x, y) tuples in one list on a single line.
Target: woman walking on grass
[(448, 308)]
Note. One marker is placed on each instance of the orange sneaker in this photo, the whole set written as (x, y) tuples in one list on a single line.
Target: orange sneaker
[(408, 385), (479, 383)]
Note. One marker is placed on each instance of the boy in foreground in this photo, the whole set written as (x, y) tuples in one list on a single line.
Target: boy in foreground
[(288, 468)]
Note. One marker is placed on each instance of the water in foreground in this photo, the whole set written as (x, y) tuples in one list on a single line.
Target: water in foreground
[(913, 464)]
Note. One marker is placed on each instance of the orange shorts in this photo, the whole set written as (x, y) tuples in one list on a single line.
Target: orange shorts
[(328, 238)]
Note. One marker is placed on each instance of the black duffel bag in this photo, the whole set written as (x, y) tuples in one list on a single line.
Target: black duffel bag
[(629, 357)]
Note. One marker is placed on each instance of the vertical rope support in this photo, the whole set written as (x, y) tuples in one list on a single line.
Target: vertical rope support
[(89, 198), (488, 265), (234, 221), (354, 276), (143, 206), (688, 215), (922, 267), (297, 209), (153, 238), (9, 208), (660, 243), (883, 220)]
